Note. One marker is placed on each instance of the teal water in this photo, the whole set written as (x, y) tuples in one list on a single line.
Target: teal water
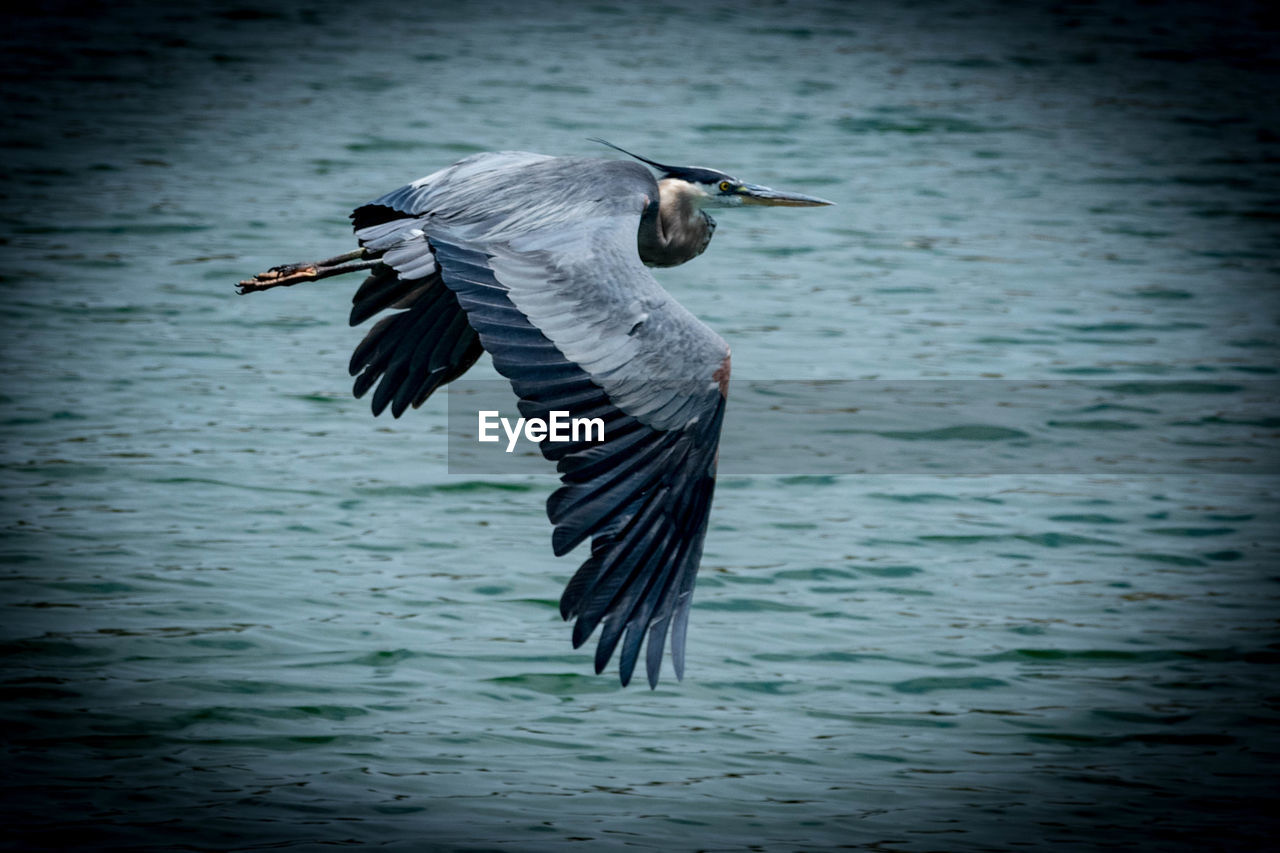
[(239, 613)]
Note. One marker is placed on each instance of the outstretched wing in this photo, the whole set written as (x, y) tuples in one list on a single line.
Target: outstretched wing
[(541, 255)]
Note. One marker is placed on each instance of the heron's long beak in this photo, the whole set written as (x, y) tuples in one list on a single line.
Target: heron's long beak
[(754, 194)]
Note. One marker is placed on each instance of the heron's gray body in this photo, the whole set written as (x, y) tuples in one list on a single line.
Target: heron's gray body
[(542, 262)]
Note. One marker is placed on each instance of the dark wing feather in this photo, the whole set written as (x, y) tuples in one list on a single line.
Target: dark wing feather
[(541, 255), (644, 494), (428, 342)]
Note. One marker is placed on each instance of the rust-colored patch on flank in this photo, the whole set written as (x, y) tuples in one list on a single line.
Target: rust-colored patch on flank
[(721, 376)]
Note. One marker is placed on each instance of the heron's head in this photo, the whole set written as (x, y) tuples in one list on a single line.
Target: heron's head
[(712, 188)]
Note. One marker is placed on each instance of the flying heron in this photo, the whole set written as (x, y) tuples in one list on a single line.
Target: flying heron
[(541, 261)]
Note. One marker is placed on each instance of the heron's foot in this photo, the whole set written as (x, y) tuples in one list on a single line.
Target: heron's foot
[(281, 276), (287, 275), (289, 269)]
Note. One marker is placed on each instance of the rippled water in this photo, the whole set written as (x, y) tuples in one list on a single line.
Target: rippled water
[(239, 612)]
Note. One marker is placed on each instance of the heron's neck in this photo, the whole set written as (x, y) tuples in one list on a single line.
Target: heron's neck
[(675, 229)]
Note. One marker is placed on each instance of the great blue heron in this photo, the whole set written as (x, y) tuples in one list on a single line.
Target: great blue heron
[(541, 261)]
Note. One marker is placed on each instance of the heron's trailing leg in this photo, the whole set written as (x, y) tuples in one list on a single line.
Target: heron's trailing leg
[(289, 274)]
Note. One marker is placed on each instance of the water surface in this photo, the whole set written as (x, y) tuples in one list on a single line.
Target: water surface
[(240, 613)]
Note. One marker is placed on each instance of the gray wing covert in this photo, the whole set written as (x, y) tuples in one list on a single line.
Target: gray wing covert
[(548, 274), (430, 194), (428, 342)]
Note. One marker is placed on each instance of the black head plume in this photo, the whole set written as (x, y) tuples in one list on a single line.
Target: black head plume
[(693, 174)]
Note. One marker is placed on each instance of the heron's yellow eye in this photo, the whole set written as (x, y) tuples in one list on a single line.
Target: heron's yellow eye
[(725, 186)]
